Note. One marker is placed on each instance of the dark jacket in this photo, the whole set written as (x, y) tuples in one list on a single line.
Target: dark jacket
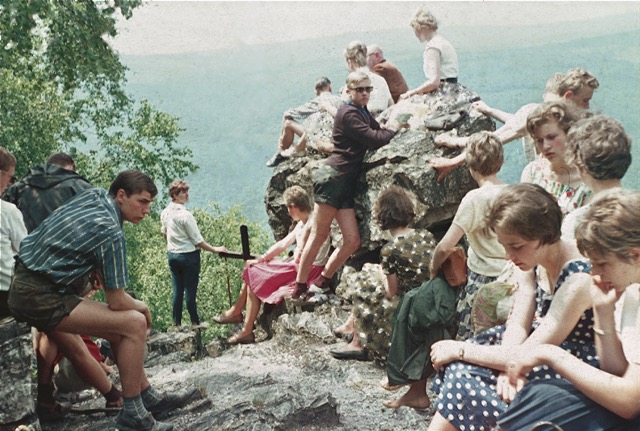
[(42, 190)]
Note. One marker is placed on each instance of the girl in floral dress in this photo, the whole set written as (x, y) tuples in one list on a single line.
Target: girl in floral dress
[(548, 125)]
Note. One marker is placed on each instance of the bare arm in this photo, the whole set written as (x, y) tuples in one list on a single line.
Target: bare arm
[(206, 246), (119, 300), (445, 248), (444, 165), (392, 285), (433, 71), (621, 394), (280, 246)]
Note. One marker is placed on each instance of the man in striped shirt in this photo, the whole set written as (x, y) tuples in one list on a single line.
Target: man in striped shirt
[(55, 264)]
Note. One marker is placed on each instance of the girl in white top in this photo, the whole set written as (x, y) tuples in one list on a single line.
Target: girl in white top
[(486, 256), (594, 399)]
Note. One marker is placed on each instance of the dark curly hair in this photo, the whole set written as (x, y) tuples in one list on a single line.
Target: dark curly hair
[(394, 208)]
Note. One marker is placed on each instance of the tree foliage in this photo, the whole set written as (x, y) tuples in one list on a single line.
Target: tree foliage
[(149, 269), (63, 88)]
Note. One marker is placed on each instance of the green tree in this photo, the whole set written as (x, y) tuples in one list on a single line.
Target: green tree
[(151, 278), (63, 88)]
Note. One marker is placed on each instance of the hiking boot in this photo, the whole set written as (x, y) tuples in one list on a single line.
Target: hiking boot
[(171, 401), (126, 423)]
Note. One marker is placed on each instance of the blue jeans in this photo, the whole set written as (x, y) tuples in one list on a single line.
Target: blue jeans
[(185, 273)]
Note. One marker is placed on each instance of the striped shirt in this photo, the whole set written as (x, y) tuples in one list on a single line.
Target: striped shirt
[(83, 235)]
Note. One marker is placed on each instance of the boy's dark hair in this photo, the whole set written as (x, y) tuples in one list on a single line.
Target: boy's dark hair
[(132, 182), (62, 160), (322, 84)]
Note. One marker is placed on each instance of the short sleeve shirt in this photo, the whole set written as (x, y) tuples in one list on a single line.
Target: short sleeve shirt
[(82, 236)]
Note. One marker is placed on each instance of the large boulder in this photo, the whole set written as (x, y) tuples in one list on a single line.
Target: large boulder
[(403, 162)]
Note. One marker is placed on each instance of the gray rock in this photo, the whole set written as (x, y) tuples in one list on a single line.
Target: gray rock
[(16, 355)]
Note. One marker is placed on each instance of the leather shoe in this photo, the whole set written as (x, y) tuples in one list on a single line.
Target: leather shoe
[(237, 339), (52, 412), (225, 320), (171, 401), (358, 355), (276, 160)]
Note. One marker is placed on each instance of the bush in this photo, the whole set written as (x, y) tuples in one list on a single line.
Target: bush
[(151, 278)]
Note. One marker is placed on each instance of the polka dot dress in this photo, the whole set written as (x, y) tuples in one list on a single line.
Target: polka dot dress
[(467, 395)]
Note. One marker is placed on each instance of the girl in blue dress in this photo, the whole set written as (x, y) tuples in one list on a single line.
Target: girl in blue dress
[(552, 306)]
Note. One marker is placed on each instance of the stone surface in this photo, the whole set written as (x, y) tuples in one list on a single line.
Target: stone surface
[(289, 382), (403, 162), (16, 355)]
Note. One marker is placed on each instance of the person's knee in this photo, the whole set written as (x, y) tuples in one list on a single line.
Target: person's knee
[(351, 242), (136, 325)]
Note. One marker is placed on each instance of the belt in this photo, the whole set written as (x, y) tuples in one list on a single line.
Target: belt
[(450, 80)]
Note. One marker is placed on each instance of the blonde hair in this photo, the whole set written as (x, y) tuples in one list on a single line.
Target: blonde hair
[(423, 18), (176, 187), (356, 51), (526, 210), (298, 197), (354, 77), (600, 146), (611, 225), (575, 80), (553, 83), (485, 153), (558, 111)]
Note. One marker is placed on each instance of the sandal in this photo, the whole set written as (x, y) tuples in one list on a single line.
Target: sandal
[(52, 412), (241, 339), (225, 320)]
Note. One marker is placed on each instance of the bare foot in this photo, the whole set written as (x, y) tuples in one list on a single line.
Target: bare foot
[(420, 403), (386, 386)]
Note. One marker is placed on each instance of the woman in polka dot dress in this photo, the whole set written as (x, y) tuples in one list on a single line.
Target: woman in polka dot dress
[(552, 299)]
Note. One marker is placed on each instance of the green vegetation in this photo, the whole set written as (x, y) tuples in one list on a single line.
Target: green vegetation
[(151, 279), (63, 89)]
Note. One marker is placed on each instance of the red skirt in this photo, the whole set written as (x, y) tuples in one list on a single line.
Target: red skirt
[(275, 280)]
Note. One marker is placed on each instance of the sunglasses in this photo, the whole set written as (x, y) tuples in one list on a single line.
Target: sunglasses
[(12, 179), (361, 90)]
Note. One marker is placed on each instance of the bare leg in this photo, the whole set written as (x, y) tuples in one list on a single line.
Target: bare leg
[(253, 308), (76, 351), (346, 219), (46, 352), (290, 129), (236, 309), (348, 326), (439, 423), (125, 330), (416, 397), (323, 216)]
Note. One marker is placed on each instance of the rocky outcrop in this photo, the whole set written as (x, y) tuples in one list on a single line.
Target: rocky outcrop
[(403, 162), (16, 355), (288, 382)]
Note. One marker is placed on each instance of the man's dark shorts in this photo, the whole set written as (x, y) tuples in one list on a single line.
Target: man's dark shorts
[(334, 188), (38, 301)]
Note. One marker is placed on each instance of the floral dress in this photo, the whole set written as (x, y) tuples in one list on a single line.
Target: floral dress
[(408, 257), (569, 198), (467, 396)]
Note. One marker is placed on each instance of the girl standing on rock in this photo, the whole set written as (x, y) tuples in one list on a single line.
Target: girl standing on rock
[(354, 132)]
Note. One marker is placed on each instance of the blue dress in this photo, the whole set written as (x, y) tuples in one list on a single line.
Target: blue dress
[(467, 395)]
